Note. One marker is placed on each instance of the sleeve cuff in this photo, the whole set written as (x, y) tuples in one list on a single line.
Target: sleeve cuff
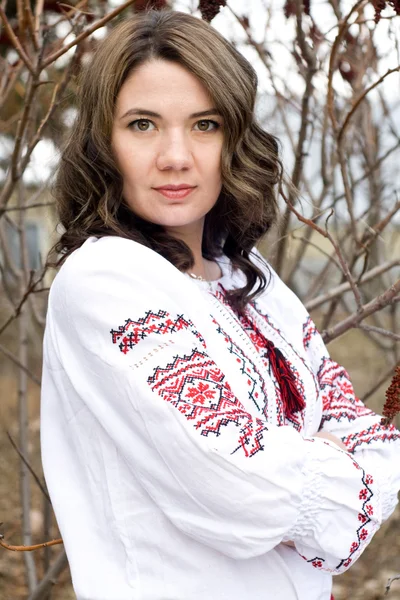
[(341, 508)]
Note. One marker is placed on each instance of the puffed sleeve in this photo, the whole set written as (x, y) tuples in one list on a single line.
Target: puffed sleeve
[(222, 476), (375, 446)]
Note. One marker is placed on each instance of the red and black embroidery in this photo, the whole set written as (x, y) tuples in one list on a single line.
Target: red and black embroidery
[(290, 397), (309, 331), (158, 323), (338, 398), (374, 433), (255, 381), (365, 529), (197, 388)]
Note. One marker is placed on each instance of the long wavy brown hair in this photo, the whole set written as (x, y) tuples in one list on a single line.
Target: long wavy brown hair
[(88, 186)]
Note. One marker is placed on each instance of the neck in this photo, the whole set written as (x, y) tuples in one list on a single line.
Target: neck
[(193, 237)]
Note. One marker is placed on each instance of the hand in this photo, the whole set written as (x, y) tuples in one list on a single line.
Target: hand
[(332, 438)]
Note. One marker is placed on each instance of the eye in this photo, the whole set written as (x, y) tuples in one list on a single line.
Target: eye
[(141, 125), (207, 125)]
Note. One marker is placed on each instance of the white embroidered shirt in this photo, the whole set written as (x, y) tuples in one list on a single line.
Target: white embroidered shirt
[(175, 470)]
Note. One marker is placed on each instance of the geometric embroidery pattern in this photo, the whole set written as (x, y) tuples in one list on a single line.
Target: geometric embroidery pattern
[(193, 383), (259, 343), (297, 418), (197, 388), (372, 434), (255, 381), (309, 330), (159, 323), (338, 398)]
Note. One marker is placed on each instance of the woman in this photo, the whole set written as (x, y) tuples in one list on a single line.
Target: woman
[(198, 441)]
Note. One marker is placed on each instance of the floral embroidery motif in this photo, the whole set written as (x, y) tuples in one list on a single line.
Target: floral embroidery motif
[(365, 529), (197, 388)]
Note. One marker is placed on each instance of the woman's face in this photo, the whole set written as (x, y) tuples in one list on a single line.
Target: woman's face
[(166, 132)]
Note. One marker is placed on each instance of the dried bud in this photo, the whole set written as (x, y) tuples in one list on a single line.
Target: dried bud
[(245, 22), (289, 8), (347, 71), (142, 5), (380, 5), (396, 5), (210, 8), (392, 403)]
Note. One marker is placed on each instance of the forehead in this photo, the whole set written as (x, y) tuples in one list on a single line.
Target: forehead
[(160, 84)]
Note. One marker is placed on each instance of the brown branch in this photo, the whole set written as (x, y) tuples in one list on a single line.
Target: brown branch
[(325, 233), (368, 172), (50, 578), (14, 173), (100, 23), (15, 360), (360, 99), (28, 206), (16, 43), (309, 56), (38, 13), (9, 86), (344, 287), (29, 467), (343, 26), (378, 384), (31, 287), (389, 583), (373, 232), (30, 23), (384, 332), (366, 310), (29, 548)]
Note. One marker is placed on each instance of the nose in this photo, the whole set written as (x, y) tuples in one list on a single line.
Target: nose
[(175, 152)]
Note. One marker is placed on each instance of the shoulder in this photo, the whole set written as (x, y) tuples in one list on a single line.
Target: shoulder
[(116, 274), (110, 252), (107, 262)]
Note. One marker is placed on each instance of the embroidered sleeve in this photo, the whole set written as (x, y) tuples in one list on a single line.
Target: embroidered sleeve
[(144, 372), (348, 418)]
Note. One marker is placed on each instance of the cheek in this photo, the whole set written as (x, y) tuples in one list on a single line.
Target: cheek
[(212, 160), (132, 163)]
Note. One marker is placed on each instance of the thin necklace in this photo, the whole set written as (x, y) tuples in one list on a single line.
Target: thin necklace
[(199, 277)]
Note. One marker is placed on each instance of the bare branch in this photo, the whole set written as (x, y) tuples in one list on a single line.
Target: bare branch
[(29, 467), (50, 579), (18, 363), (97, 25), (344, 287), (366, 310), (346, 122), (16, 43)]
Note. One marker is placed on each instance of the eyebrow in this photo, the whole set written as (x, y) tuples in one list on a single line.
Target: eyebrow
[(150, 113)]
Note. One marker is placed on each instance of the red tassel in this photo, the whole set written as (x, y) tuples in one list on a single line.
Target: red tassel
[(292, 400)]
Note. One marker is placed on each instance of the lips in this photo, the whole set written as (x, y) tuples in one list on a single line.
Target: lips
[(175, 191), (181, 186)]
